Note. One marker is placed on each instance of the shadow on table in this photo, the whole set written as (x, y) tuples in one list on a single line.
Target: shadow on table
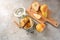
[(40, 36)]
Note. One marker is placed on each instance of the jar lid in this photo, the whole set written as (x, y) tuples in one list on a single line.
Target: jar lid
[(19, 12)]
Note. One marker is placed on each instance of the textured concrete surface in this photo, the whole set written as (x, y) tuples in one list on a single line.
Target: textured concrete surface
[(9, 31)]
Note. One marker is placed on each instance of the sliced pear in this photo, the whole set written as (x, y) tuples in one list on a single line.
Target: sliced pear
[(35, 6), (37, 16)]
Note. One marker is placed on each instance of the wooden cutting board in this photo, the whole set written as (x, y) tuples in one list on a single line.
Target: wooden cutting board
[(30, 12)]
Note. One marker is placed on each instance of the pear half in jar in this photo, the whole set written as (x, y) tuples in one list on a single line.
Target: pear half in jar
[(23, 21), (26, 23), (29, 24)]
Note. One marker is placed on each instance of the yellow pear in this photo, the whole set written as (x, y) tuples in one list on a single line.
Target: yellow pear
[(44, 10), (40, 27)]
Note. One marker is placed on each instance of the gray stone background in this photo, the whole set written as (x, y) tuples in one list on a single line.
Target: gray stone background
[(9, 31)]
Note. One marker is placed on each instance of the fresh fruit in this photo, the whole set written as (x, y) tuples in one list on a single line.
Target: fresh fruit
[(40, 27), (44, 10), (37, 16), (35, 6)]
